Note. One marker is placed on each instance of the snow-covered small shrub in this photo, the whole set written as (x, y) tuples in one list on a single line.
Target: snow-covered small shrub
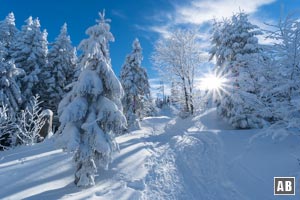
[(29, 123)]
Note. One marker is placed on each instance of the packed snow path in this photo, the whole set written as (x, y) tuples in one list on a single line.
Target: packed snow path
[(169, 158)]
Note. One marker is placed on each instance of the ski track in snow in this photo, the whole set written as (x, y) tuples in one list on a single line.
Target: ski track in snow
[(187, 164), (169, 158)]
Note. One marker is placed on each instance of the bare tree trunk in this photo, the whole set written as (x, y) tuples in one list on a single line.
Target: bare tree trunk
[(134, 104), (191, 96), (186, 95)]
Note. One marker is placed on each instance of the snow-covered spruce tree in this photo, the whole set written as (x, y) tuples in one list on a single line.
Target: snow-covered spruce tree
[(176, 59), (136, 87), (235, 46), (30, 54), (62, 61), (8, 32), (91, 113), (10, 93)]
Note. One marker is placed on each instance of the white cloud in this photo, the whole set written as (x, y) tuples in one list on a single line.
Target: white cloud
[(119, 14), (198, 14), (164, 31), (200, 11)]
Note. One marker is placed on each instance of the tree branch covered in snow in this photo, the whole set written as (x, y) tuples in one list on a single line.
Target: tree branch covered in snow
[(29, 122)]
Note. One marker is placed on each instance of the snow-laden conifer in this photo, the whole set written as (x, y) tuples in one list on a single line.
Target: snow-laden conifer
[(8, 32), (136, 86), (91, 113), (61, 67), (235, 47), (30, 54)]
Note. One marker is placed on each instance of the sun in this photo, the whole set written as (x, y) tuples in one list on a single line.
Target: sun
[(214, 85), (212, 82)]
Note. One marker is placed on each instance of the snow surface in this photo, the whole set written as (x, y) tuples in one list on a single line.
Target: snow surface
[(169, 158)]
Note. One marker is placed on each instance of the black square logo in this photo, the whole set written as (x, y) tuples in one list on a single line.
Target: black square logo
[(284, 185)]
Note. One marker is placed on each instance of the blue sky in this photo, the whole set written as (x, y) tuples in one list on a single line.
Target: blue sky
[(146, 19)]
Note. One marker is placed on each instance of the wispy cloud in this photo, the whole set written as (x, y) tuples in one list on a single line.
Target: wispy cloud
[(119, 14), (200, 11), (164, 31), (198, 15)]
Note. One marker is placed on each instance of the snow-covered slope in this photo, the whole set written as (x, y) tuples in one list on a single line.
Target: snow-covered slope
[(169, 158)]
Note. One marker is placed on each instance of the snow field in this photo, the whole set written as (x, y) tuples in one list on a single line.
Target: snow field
[(169, 158)]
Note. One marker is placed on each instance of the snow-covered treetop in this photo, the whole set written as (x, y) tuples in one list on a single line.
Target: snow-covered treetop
[(234, 38), (64, 30), (63, 37), (136, 54), (100, 35), (8, 30), (29, 23), (31, 33), (37, 23), (10, 19), (96, 55), (33, 26), (61, 47)]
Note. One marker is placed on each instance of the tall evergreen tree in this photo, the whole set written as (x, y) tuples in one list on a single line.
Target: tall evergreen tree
[(10, 94), (62, 61), (136, 86), (8, 32), (30, 54), (91, 113), (235, 46)]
